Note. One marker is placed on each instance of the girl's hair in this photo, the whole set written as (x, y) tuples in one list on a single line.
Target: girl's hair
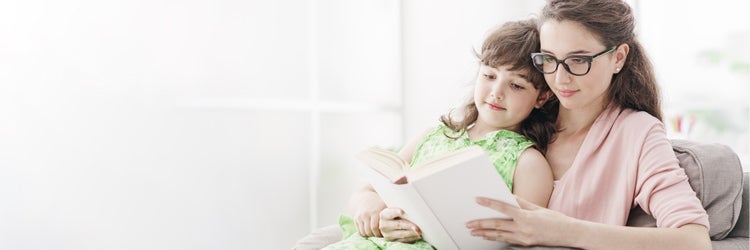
[(511, 44), (612, 22)]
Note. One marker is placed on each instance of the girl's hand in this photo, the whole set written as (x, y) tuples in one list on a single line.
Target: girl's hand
[(395, 228), (367, 218), (530, 224)]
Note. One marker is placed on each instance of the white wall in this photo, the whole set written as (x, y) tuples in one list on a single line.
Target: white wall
[(439, 40), (102, 144), (703, 66)]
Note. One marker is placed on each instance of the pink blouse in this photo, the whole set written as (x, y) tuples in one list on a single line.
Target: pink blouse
[(624, 161)]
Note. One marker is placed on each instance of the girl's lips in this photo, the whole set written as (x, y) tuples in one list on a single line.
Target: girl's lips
[(495, 107), (567, 93)]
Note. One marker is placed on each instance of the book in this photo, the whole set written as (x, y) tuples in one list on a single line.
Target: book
[(439, 195)]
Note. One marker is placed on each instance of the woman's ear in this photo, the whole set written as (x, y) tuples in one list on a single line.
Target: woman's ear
[(621, 53), (542, 98)]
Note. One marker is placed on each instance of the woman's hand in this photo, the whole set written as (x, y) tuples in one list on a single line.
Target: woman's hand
[(529, 225), (395, 228)]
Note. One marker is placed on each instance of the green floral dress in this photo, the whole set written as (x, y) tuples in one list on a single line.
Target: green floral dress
[(503, 147)]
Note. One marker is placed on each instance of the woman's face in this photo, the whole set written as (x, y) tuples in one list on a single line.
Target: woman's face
[(562, 39)]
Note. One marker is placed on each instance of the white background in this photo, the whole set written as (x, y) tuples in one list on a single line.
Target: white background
[(231, 124)]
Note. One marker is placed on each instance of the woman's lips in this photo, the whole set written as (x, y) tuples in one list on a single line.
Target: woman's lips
[(566, 93)]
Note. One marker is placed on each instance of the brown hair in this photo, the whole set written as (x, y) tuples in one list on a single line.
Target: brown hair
[(613, 23), (511, 44)]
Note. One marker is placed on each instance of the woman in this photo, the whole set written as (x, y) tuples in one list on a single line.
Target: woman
[(611, 153)]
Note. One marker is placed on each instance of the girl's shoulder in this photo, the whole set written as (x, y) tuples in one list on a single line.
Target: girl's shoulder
[(511, 138)]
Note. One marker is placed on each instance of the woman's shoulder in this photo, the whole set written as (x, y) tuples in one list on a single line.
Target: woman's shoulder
[(636, 125), (638, 117)]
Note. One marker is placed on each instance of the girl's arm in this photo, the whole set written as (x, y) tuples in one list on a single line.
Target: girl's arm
[(366, 206), (532, 180), (534, 225)]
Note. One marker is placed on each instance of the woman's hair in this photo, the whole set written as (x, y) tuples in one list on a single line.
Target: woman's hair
[(612, 22), (511, 44)]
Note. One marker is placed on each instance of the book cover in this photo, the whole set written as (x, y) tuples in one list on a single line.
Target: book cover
[(439, 195)]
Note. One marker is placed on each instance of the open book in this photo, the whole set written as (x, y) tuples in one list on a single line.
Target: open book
[(439, 195)]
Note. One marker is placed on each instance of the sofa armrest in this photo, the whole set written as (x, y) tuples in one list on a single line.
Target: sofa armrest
[(320, 238), (738, 238)]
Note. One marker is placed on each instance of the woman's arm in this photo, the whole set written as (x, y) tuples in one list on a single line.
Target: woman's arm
[(533, 179), (600, 236), (534, 225)]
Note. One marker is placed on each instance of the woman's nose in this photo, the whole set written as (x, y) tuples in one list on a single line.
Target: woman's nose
[(562, 76)]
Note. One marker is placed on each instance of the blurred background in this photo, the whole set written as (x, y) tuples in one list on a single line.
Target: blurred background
[(231, 124)]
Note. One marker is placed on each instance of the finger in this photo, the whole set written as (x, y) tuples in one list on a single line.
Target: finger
[(407, 224), (401, 235), (507, 237), (409, 239), (366, 228), (488, 234), (390, 225), (500, 206), (375, 226), (526, 204), (492, 224), (391, 213), (500, 236), (360, 227)]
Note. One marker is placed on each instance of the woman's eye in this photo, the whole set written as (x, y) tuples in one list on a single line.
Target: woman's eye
[(517, 86), (549, 59), (576, 60), (488, 76)]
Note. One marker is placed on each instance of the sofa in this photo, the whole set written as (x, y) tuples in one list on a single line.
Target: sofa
[(714, 172)]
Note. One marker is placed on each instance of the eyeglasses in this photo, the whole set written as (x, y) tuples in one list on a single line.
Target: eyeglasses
[(575, 65)]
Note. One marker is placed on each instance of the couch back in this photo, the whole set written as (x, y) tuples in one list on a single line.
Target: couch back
[(715, 173)]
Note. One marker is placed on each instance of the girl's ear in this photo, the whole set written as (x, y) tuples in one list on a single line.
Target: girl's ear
[(542, 98)]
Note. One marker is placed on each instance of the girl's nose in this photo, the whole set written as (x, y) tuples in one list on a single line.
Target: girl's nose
[(497, 90)]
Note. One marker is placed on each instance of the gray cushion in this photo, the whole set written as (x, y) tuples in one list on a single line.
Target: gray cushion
[(738, 238), (715, 173)]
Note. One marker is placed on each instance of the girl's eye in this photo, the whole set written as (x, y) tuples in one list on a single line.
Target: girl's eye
[(517, 86), (488, 76)]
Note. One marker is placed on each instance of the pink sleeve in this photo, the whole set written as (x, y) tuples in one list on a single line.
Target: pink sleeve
[(662, 187)]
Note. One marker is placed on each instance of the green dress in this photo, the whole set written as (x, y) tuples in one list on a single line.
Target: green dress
[(503, 147)]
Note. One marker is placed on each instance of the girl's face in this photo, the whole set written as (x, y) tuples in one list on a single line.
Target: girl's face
[(504, 98), (562, 39)]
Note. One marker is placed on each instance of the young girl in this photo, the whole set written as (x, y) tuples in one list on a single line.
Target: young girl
[(504, 117), (611, 154)]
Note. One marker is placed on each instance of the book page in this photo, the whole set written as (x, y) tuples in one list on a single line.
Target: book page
[(444, 161), (385, 162), (451, 195), (405, 197)]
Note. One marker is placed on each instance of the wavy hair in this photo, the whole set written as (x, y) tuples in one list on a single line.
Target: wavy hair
[(613, 23), (511, 44)]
